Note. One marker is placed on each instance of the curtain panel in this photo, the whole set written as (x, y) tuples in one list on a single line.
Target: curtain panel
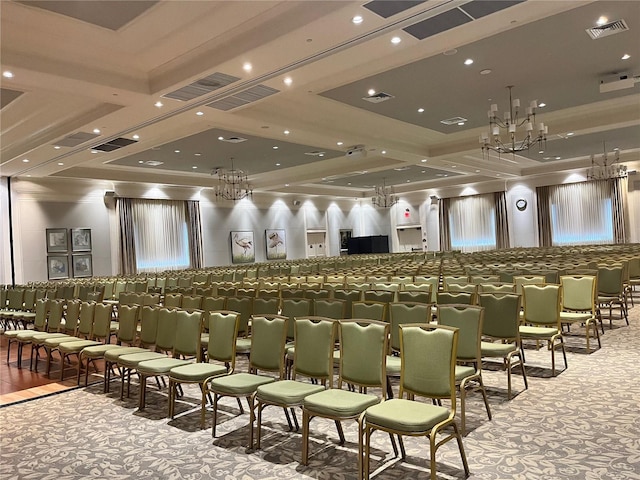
[(127, 243), (544, 216), (445, 232), (472, 223), (502, 223), (194, 230)]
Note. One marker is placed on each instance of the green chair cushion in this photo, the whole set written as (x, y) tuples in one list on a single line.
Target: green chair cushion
[(40, 337), (491, 349), (113, 355), (338, 403), (15, 333), (98, 351), (56, 341), (286, 392), (574, 317), (75, 347), (404, 415), (527, 331), (394, 364), (464, 371), (160, 366), (239, 383), (197, 372), (133, 359), (243, 345)]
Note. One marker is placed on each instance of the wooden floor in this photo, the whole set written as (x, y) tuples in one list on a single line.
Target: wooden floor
[(19, 384)]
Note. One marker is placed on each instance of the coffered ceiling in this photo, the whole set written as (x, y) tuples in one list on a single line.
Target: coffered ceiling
[(167, 92)]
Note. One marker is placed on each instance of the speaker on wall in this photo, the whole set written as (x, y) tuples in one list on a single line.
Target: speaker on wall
[(110, 198)]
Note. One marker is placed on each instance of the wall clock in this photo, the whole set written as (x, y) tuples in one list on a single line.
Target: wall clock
[(521, 204)]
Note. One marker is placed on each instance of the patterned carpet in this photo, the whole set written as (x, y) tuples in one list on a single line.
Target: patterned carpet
[(582, 424)]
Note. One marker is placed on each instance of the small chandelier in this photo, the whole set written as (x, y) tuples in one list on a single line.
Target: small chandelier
[(511, 122), (232, 184), (384, 196), (603, 170)]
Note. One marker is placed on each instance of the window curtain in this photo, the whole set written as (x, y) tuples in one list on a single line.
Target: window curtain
[(502, 223), (445, 232), (619, 203), (544, 216), (127, 242), (472, 223), (194, 231)]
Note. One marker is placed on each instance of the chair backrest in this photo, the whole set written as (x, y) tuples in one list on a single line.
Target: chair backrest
[(151, 299), (610, 280), (188, 333), (166, 334), (501, 315), (403, 313), (292, 308), (384, 296), (29, 299), (428, 354), (223, 332), (579, 293), (85, 323), (42, 310), (15, 298), (447, 279), (191, 302), (349, 296), (414, 296), (370, 310), (363, 351), (320, 293), (268, 293), (468, 320), (362, 286), (330, 308), (209, 304), (291, 293), (243, 306), (71, 316), (478, 279), (497, 288), (462, 287), (542, 305), (101, 329), (448, 298), (172, 300), (313, 356), (266, 306), (246, 292), (520, 280), (269, 335), (56, 310), (420, 282), (149, 325), (128, 316)]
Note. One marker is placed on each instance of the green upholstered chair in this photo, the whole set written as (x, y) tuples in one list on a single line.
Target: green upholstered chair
[(54, 322), (330, 308), (100, 334), (371, 310), (24, 337), (128, 316), (447, 279), (402, 313), (71, 318), (186, 344), (267, 355), (266, 306), (415, 296), (520, 280), (244, 307), (383, 296), (455, 298), (292, 308), (172, 300), (26, 315), (468, 319), (348, 296), (541, 318), (316, 293), (15, 301), (222, 329), (501, 334), (363, 349), (579, 297), (312, 359), (210, 304), (246, 292), (480, 279), (430, 283), (191, 302), (428, 370), (611, 290), (291, 292), (269, 293), (496, 288)]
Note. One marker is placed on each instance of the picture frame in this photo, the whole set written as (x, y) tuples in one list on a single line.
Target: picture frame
[(242, 247), (57, 267), (57, 240), (276, 244), (345, 236), (80, 239), (82, 265)]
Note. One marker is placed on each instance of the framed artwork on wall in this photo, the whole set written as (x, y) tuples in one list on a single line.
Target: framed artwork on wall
[(57, 267), (57, 240), (242, 247), (82, 265), (345, 235), (276, 244), (80, 239)]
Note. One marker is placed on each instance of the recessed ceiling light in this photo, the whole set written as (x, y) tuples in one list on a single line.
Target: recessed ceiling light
[(177, 151), (158, 104), (602, 20), (286, 184), (460, 123), (540, 152), (197, 154), (371, 91), (194, 167), (408, 181), (542, 104), (486, 71), (321, 154), (136, 136), (452, 51), (339, 143), (616, 149), (7, 74), (357, 20), (396, 40), (348, 183), (199, 113), (423, 160), (423, 171), (420, 110), (569, 134), (25, 160), (57, 147), (96, 130), (546, 158), (247, 67), (94, 151), (626, 56), (61, 163), (286, 132), (468, 61), (277, 164), (140, 161), (384, 152), (275, 147), (454, 166), (288, 81), (558, 158), (477, 171), (220, 138), (498, 175)]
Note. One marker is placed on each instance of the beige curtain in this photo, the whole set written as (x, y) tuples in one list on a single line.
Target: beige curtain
[(445, 231), (502, 223), (127, 241), (544, 216), (619, 206), (194, 230)]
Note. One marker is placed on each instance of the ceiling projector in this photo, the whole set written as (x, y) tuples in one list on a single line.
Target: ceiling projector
[(356, 151), (620, 82)]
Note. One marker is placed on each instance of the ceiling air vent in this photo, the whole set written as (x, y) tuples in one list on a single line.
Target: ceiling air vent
[(453, 120), (233, 139), (315, 153), (202, 86), (245, 97), (607, 29), (378, 97), (114, 144), (76, 139)]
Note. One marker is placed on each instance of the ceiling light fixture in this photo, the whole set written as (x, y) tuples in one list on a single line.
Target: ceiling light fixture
[(340, 143), (396, 40), (626, 56), (60, 164), (136, 137), (7, 74), (511, 121), (247, 67), (286, 132), (25, 160), (232, 184), (468, 61), (288, 81), (602, 20), (384, 196), (158, 104), (357, 20), (371, 92), (57, 147), (601, 169), (542, 104), (199, 113), (420, 110), (96, 130)]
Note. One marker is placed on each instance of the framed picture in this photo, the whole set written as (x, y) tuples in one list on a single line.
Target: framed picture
[(276, 244), (80, 239), (57, 240), (82, 265), (242, 247), (345, 235), (57, 267)]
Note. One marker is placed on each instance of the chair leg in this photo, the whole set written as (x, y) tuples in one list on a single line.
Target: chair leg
[(215, 414), (340, 432), (484, 396), (143, 388), (461, 448), (306, 418)]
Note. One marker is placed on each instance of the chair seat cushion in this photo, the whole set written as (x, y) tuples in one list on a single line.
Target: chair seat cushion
[(75, 347), (464, 371), (42, 336), (239, 383), (243, 345), (394, 364), (98, 351), (160, 366), (56, 341), (339, 403), (493, 349), (114, 354), (15, 333), (404, 415), (197, 372), (133, 359), (574, 317), (286, 392), (527, 331)]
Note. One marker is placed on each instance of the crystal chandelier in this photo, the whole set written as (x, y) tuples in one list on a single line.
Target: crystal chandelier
[(384, 196), (602, 169), (232, 184), (511, 122)]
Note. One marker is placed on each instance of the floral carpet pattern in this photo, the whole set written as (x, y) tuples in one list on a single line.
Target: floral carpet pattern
[(582, 424)]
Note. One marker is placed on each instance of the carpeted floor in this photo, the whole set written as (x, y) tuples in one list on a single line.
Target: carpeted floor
[(582, 424)]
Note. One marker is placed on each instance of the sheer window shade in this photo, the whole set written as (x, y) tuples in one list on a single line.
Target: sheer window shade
[(472, 223)]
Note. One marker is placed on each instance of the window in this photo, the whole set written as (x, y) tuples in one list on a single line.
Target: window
[(472, 223)]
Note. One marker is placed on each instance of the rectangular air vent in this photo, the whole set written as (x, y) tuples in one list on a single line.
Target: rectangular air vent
[(315, 153), (607, 29), (76, 139), (201, 87), (453, 120), (114, 144), (245, 97), (378, 97)]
